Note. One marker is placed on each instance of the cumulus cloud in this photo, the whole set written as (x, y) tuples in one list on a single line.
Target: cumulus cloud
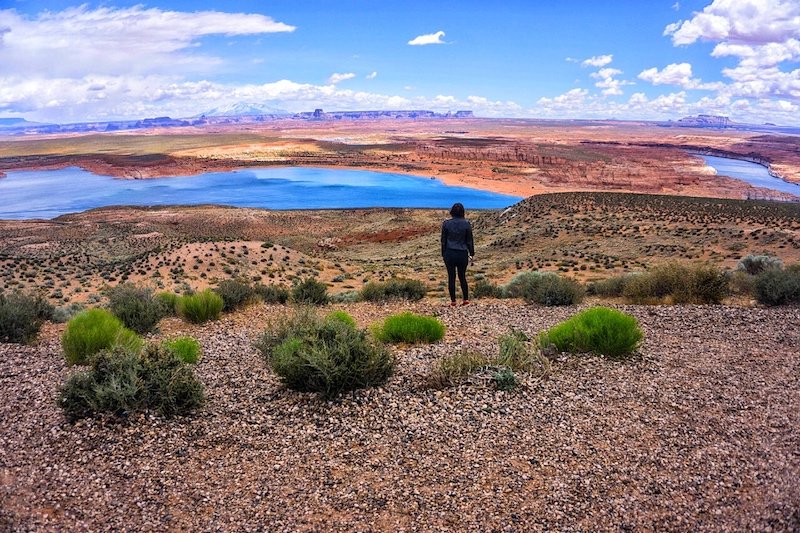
[(742, 21), (429, 38), (679, 74), (336, 77), (371, 75), (761, 34), (598, 61), (608, 82), (108, 41)]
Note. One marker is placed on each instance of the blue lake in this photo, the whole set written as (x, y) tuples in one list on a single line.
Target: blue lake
[(753, 173), (29, 194)]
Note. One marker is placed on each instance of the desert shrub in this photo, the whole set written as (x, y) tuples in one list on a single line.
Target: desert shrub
[(187, 349), (521, 284), (554, 290), (168, 301), (742, 283), (600, 330), (235, 294), (310, 292), (63, 314), (613, 287), (325, 356), (410, 328), (454, 369), (516, 353), (705, 284), (756, 264), (200, 307), (135, 307), (655, 284), (272, 294), (22, 316), (347, 297), (544, 288), (92, 331), (504, 379), (485, 289), (678, 283), (122, 381), (793, 268), (778, 287), (169, 384), (341, 316), (394, 289)]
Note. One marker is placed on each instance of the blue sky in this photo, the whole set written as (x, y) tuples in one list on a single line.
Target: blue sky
[(625, 59)]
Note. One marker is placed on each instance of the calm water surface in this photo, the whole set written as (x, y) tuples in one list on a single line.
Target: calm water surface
[(50, 193), (753, 173)]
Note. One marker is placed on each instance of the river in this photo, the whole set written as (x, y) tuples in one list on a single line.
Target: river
[(753, 173)]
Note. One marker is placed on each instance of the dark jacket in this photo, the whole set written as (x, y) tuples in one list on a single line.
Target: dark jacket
[(457, 235)]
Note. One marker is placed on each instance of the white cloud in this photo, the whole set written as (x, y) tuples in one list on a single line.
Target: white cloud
[(607, 81), (429, 38), (371, 75), (761, 34), (742, 21), (336, 77), (679, 74), (598, 61), (108, 41)]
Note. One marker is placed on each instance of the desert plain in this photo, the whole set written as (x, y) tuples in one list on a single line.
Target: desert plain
[(698, 432)]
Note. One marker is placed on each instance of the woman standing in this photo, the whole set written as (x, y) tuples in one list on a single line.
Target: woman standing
[(457, 251)]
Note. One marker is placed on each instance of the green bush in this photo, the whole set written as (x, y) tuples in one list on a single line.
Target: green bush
[(22, 316), (394, 289), (121, 381), (272, 294), (168, 301), (92, 331), (310, 292), (778, 287), (756, 264), (453, 370), (325, 356), (63, 314), (135, 306), (187, 349), (600, 330), (485, 289), (341, 316), (200, 307), (235, 294), (410, 328)]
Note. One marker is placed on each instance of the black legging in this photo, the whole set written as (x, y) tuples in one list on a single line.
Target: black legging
[(456, 260)]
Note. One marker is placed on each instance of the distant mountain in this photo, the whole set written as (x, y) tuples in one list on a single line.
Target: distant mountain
[(15, 122), (244, 109)]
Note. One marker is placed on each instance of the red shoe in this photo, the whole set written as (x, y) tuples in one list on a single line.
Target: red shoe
[(465, 302), (453, 303)]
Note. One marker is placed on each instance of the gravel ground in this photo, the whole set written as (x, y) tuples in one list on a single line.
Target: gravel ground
[(701, 433)]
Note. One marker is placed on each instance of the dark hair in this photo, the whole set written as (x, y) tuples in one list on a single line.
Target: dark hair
[(457, 210)]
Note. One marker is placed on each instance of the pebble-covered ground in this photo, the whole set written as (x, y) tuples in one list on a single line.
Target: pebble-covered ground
[(700, 433)]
